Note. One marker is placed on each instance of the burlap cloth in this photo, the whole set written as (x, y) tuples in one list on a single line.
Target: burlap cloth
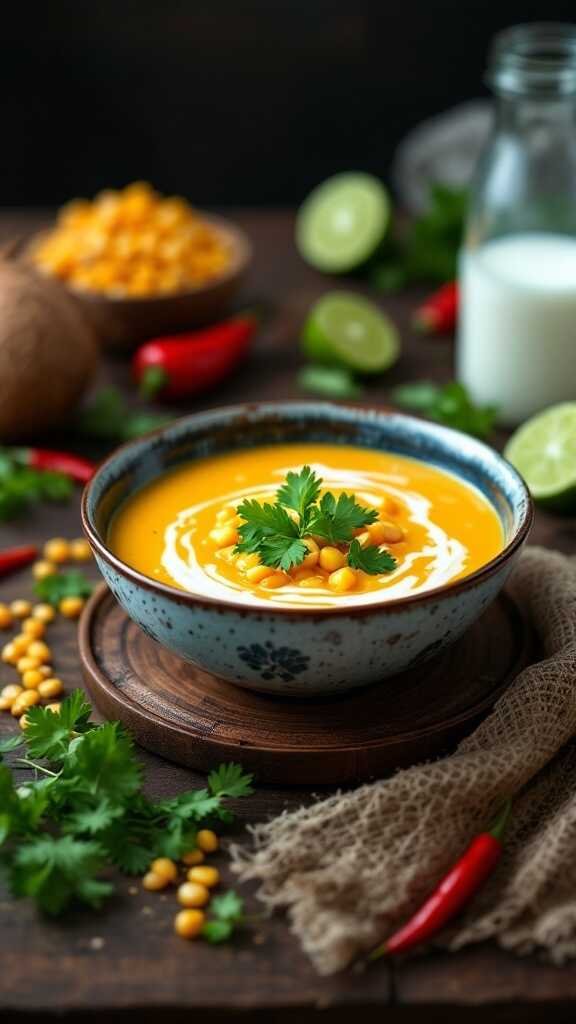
[(352, 867)]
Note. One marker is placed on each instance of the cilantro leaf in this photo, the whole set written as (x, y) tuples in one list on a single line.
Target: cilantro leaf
[(10, 743), (131, 853), (49, 735), (269, 531), (56, 870), (192, 806), (228, 914), (63, 584), (21, 486), (104, 760), (332, 381), (370, 559), (93, 819), (449, 404), (337, 519), (299, 491), (230, 780)]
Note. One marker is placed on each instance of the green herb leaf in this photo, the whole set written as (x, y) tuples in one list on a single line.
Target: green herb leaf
[(330, 381), (271, 533), (108, 418), (337, 519), (55, 871), (230, 780), (299, 491), (370, 559), (93, 819), (63, 584), (48, 735), (449, 404), (216, 932), (104, 760), (21, 487), (10, 743), (228, 914)]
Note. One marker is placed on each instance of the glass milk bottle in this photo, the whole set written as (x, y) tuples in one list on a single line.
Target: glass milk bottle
[(517, 330)]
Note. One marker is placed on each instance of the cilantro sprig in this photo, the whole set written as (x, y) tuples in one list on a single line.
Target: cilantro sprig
[(84, 812), (449, 404), (279, 538), (21, 486), (63, 584)]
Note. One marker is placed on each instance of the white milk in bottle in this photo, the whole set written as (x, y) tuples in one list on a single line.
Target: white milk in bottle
[(517, 320), (517, 333)]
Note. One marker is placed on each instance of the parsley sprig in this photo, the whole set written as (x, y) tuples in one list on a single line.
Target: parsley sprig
[(22, 487), (84, 812), (279, 539), (63, 584)]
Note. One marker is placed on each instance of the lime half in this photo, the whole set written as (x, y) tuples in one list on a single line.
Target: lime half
[(543, 450), (345, 329), (342, 222)]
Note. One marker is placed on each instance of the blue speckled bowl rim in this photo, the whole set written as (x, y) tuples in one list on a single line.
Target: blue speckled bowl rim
[(452, 437)]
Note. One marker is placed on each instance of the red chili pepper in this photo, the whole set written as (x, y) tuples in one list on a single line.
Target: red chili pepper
[(74, 466), (16, 558), (185, 364), (452, 893), (438, 314)]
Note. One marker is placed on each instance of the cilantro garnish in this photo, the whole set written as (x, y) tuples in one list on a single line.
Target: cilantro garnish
[(279, 539), (63, 584), (108, 418), (84, 811)]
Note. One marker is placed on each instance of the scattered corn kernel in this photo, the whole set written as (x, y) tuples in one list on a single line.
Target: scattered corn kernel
[(207, 840), (42, 569), (26, 663), (258, 573), (189, 923), (38, 649), (46, 671), (6, 617), (71, 607), (5, 704), (57, 550), (33, 628), (31, 679), (276, 580), (193, 857), (364, 538), (9, 654), (20, 609), (44, 613), (153, 882), (224, 536), (23, 723), (191, 894), (50, 687), (342, 580), (21, 643), (54, 707), (27, 699), (204, 875), (164, 867), (80, 550), (11, 692), (331, 559)]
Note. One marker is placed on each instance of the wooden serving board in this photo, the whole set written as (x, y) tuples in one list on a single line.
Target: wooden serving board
[(198, 720)]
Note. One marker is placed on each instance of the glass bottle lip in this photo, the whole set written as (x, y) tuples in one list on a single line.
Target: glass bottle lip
[(537, 59)]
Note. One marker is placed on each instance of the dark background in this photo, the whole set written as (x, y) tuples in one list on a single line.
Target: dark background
[(226, 102)]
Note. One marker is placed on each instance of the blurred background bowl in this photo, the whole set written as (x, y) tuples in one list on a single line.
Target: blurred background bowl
[(122, 323)]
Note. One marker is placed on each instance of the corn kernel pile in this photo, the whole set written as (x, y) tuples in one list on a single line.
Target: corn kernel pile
[(132, 243), (194, 892)]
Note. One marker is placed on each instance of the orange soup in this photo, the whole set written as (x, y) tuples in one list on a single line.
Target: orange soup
[(183, 529)]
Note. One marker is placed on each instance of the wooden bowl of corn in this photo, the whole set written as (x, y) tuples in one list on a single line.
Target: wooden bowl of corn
[(141, 265)]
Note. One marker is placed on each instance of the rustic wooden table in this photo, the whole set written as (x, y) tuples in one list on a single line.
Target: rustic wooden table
[(125, 961)]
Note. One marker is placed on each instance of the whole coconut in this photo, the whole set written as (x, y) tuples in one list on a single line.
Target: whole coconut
[(48, 352)]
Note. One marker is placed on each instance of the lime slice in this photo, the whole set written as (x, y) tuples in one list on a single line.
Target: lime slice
[(342, 222), (543, 451), (344, 329)]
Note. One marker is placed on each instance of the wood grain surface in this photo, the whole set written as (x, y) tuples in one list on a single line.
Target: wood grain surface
[(124, 963)]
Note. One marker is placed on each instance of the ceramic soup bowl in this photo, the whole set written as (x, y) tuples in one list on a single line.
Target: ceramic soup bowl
[(283, 650)]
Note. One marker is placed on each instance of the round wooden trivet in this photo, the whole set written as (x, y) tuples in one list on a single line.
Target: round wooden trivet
[(198, 720)]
